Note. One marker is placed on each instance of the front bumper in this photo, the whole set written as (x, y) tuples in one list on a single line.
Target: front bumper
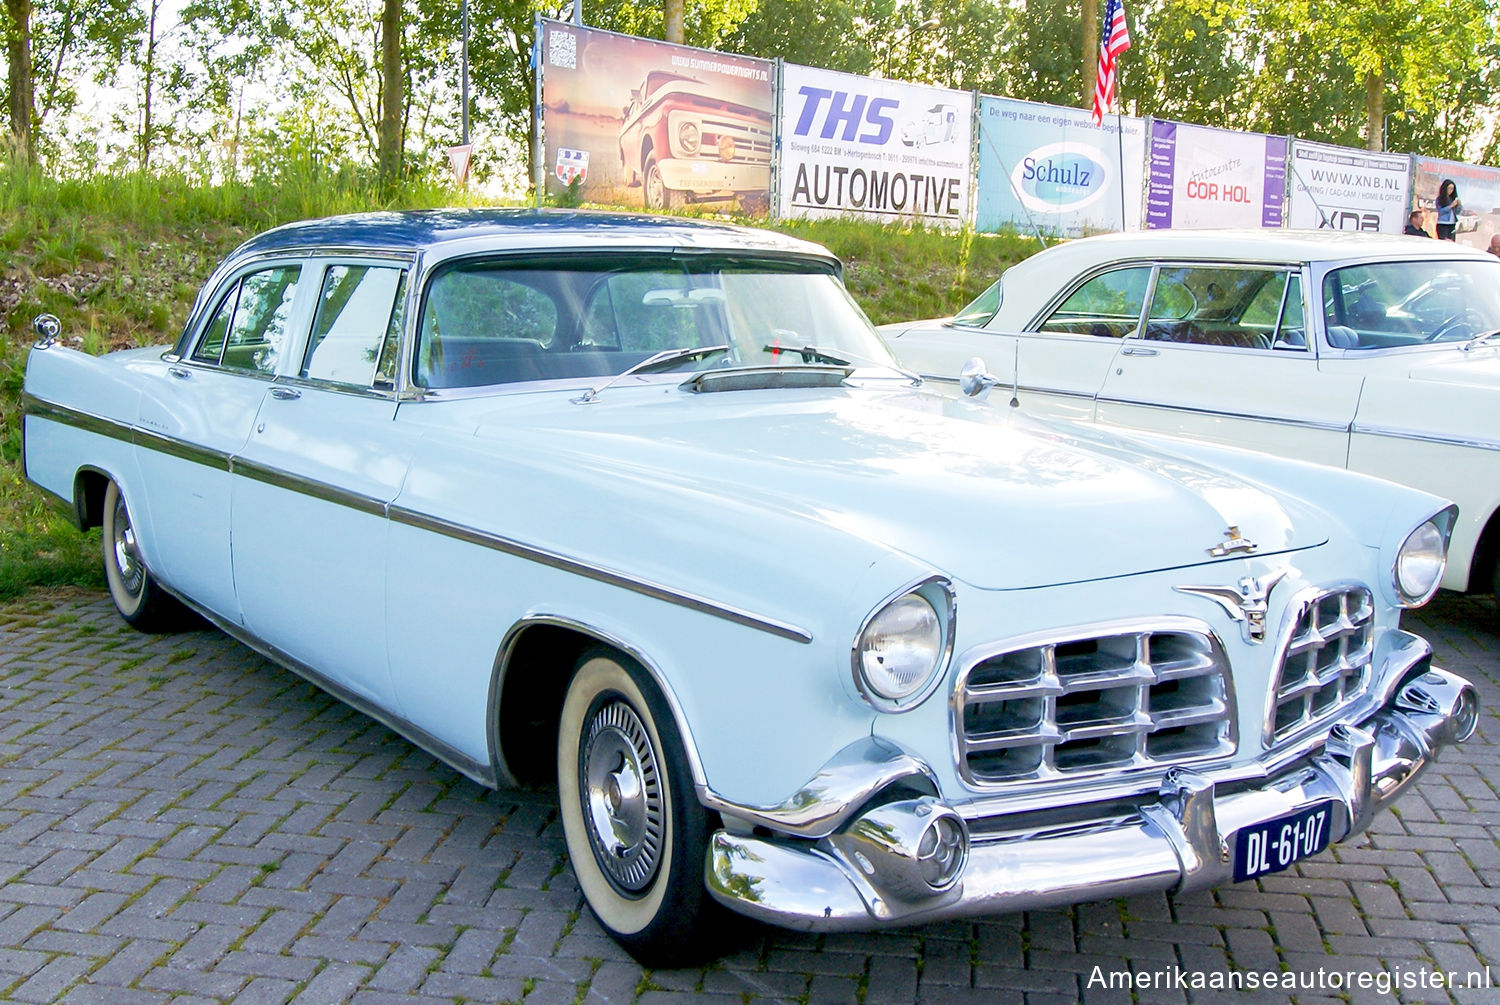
[(889, 864), (705, 177)]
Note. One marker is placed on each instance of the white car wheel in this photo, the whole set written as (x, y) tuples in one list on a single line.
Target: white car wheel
[(636, 834)]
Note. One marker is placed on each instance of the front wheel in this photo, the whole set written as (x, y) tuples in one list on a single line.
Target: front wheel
[(637, 835), (143, 604), (658, 196)]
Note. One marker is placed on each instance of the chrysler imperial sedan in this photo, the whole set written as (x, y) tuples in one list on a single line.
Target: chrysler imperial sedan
[(1379, 354), (645, 510)]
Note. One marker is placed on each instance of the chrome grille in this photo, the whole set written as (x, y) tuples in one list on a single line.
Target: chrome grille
[(1326, 663), (752, 144), (1068, 707)]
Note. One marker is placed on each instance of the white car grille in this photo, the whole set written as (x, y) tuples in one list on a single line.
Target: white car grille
[(1327, 660), (1072, 707)]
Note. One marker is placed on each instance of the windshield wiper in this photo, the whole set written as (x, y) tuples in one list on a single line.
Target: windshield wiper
[(1480, 339), (658, 361), (838, 357)]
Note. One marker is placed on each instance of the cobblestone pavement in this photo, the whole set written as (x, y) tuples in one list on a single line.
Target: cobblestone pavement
[(181, 821)]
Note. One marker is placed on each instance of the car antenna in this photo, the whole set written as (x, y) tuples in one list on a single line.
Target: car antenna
[(1015, 377)]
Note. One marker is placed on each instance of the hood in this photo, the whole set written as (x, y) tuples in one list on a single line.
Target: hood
[(1476, 368), (995, 499)]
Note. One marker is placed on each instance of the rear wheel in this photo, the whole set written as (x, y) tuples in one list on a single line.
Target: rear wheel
[(143, 604), (637, 835)]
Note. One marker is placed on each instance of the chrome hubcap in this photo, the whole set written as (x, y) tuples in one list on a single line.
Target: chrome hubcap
[(127, 557), (621, 788)]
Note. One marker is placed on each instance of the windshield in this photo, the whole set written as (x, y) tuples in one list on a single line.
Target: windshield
[(498, 322), (1409, 303)]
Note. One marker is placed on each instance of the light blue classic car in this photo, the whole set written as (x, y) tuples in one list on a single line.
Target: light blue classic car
[(646, 509)]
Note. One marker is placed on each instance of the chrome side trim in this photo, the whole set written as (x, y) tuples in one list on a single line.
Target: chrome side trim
[(502, 668), (543, 556), (1330, 427), (1055, 392), (277, 478), (830, 797), (400, 514), (88, 422), (1397, 433), (443, 751)]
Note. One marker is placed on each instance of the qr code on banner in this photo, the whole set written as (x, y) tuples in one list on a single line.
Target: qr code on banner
[(562, 49)]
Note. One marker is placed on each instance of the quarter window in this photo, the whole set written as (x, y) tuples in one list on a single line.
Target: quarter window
[(1108, 305), (357, 326)]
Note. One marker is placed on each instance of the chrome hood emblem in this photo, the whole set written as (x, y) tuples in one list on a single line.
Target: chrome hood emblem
[(1233, 541), (1246, 604)]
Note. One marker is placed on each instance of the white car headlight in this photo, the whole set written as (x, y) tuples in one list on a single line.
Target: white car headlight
[(903, 645), (1420, 563)]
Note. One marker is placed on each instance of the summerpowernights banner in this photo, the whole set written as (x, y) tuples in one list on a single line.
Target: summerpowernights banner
[(1048, 168), (639, 123), (875, 148), (1202, 177)]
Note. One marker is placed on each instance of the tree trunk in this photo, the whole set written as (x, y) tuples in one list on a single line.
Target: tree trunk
[(1374, 111), (674, 20), (150, 75), (18, 51), (392, 92), (1090, 50)]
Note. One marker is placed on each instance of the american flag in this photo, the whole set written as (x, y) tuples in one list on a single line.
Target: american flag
[(1115, 41)]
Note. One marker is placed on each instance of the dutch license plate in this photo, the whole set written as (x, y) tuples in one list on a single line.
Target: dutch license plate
[(1272, 846)]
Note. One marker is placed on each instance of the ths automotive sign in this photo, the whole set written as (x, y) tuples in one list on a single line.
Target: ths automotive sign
[(874, 148), (1202, 177), (1043, 167), (1337, 188)]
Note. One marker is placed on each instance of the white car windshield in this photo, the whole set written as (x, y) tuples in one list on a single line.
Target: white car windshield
[(1387, 304), (497, 322)]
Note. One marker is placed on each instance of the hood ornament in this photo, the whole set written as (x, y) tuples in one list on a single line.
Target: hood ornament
[(1246, 604), (1233, 542)]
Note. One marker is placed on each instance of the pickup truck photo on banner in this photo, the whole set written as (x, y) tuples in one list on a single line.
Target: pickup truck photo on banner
[(645, 123), (1048, 168), (1478, 195), (1339, 188), (1203, 177), (876, 148)]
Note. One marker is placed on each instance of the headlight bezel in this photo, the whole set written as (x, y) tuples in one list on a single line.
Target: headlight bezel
[(1440, 525), (690, 145), (937, 592)]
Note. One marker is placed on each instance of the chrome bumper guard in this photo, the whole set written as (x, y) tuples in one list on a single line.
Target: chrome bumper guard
[(912, 859)]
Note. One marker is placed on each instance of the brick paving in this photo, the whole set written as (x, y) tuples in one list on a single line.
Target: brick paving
[(182, 821)]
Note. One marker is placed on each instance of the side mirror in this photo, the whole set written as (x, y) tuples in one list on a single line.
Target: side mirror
[(974, 378), (47, 328)]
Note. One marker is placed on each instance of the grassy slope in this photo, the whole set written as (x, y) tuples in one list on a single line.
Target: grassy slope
[(119, 261)]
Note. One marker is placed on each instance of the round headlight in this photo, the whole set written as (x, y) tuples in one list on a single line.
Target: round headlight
[(900, 648), (687, 135), (1420, 563)]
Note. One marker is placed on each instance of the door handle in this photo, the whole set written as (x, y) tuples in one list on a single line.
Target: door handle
[(285, 393), (1135, 350), (180, 372)]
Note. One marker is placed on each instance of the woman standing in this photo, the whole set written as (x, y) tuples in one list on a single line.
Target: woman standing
[(1448, 207)]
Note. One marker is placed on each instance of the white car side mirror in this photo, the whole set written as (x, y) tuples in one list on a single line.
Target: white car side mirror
[(974, 379)]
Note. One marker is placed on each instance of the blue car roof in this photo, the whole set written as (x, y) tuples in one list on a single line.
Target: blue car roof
[(415, 230)]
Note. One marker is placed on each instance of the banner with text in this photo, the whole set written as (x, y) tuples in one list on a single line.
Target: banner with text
[(1478, 196), (635, 122), (875, 148), (1049, 168), (1203, 177), (1339, 188)]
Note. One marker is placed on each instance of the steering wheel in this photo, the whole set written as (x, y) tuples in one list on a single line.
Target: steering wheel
[(1463, 324)]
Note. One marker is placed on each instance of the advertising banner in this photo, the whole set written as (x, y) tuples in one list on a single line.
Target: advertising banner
[(1203, 177), (1048, 168), (635, 122), (1478, 193), (1339, 188), (876, 148)]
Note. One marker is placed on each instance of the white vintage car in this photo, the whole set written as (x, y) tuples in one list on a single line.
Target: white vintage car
[(645, 509), (1379, 354)]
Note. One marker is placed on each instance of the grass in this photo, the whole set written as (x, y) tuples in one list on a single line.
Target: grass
[(120, 259)]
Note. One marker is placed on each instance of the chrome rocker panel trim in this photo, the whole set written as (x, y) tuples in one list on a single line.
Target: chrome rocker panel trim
[(1180, 842)]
